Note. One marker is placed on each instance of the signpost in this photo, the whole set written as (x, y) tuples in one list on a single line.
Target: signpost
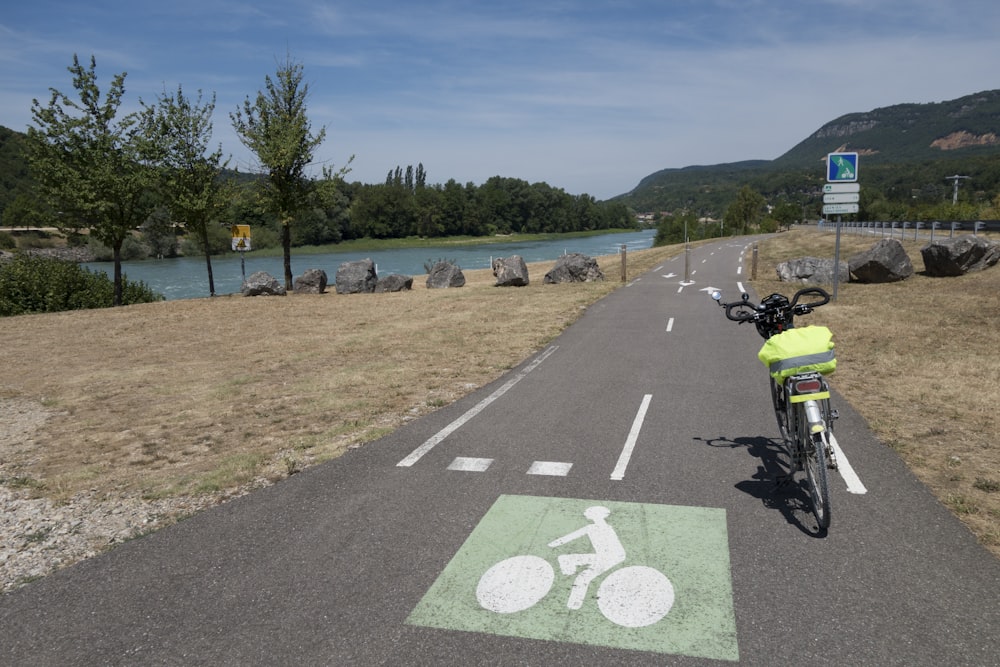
[(241, 244), (840, 195)]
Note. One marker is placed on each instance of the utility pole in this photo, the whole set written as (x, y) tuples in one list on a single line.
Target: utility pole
[(955, 179)]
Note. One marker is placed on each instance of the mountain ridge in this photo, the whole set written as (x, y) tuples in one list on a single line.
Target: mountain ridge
[(949, 134)]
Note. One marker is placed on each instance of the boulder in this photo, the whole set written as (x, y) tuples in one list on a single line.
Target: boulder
[(356, 277), (574, 268), (958, 256), (262, 283), (394, 282), (313, 281), (811, 271), (445, 274), (884, 262), (510, 271)]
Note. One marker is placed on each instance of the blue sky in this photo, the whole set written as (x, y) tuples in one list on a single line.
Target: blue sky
[(588, 96)]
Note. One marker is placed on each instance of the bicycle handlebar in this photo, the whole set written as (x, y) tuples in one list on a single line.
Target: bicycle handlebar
[(774, 308)]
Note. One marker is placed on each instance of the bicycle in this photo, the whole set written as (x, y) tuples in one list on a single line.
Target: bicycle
[(798, 361)]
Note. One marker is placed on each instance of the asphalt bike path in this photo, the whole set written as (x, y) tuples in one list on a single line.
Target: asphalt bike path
[(612, 500)]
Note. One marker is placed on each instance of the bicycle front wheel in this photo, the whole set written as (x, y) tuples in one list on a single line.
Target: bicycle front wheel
[(816, 474)]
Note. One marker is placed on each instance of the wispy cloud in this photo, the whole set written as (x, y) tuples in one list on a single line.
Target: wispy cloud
[(587, 95)]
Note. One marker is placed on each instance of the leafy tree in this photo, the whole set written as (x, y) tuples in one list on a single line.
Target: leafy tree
[(276, 128), (158, 234), (88, 165), (326, 220), (15, 180), (746, 211), (22, 211), (786, 213), (672, 229), (178, 130)]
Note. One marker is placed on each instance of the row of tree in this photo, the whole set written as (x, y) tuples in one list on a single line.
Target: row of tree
[(408, 207), (97, 170), (746, 214), (154, 169)]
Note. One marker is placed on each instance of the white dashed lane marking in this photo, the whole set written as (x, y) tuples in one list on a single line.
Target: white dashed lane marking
[(468, 464), (550, 468)]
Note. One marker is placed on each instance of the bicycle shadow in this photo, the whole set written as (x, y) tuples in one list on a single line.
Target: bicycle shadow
[(773, 483)]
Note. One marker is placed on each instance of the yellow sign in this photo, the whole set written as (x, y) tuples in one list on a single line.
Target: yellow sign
[(241, 237)]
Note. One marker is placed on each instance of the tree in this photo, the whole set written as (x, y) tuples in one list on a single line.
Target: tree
[(275, 127), (178, 131), (786, 213), (746, 211), (88, 166), (675, 229), (22, 211)]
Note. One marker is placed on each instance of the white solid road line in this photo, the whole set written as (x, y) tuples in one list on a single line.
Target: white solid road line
[(854, 484), (619, 472), (433, 441)]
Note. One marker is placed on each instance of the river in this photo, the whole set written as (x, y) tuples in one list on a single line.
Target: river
[(187, 277)]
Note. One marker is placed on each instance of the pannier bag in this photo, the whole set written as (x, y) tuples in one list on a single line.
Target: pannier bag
[(799, 351)]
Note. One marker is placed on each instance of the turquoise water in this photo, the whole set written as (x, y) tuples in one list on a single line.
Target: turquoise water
[(187, 277)]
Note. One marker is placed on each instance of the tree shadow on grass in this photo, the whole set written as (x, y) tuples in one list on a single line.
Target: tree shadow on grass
[(773, 483)]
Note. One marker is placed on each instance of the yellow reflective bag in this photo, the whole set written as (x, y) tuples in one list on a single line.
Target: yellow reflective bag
[(799, 351)]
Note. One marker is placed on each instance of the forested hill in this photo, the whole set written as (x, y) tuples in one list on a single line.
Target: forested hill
[(969, 125), (904, 147)]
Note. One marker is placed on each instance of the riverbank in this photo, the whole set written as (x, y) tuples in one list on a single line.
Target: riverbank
[(187, 277)]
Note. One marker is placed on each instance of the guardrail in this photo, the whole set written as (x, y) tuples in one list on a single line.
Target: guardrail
[(889, 229)]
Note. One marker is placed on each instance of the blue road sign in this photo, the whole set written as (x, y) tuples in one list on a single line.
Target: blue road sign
[(842, 167)]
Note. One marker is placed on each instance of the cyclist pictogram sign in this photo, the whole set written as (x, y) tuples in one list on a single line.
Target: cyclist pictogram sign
[(842, 167), (625, 575)]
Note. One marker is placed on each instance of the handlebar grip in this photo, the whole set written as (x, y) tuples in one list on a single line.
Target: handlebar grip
[(818, 291), (744, 311)]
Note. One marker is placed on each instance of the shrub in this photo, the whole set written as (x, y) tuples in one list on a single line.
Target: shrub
[(132, 248), (34, 284), (36, 240), (7, 241), (219, 242)]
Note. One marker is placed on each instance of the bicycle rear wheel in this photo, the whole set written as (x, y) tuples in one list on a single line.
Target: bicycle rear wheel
[(816, 474)]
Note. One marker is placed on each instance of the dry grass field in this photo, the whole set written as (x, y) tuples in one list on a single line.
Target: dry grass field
[(211, 397), (214, 396)]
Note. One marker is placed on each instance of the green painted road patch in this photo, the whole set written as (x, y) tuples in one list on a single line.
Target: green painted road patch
[(624, 575)]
